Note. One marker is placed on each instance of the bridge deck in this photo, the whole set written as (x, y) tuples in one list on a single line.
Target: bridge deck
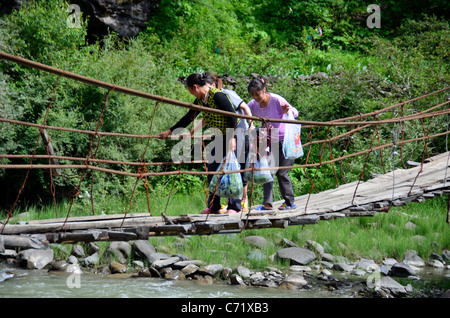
[(353, 199)]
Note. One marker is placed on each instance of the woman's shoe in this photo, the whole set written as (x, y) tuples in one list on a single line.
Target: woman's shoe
[(208, 211), (244, 207), (263, 208), (232, 211), (284, 206)]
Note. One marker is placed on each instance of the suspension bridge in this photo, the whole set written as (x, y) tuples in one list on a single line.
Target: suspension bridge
[(415, 181)]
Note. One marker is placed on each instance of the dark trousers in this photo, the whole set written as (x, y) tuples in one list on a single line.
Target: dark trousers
[(213, 164), (284, 181)]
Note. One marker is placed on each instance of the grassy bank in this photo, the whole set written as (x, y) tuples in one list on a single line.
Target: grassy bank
[(382, 236)]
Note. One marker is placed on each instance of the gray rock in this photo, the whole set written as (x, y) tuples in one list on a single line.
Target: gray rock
[(236, 280), (120, 250), (211, 270), (367, 265), (36, 258), (358, 272), (296, 255), (72, 260), (300, 268), (257, 241), (436, 263), (78, 251), (446, 255), (286, 242), (391, 287), (143, 248), (296, 280), (166, 262), (74, 269), (189, 269), (413, 259), (410, 226), (243, 272), (92, 260), (157, 256), (182, 264), (316, 247), (343, 267)]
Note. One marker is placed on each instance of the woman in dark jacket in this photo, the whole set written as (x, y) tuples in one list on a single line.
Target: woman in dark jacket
[(198, 85)]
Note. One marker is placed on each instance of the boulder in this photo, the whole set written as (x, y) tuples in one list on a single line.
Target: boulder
[(211, 270), (189, 269), (256, 240), (243, 272), (117, 268), (367, 264), (36, 258), (78, 251), (294, 281), (143, 249), (92, 260), (120, 250), (236, 280), (157, 256), (175, 275), (315, 247), (165, 262), (343, 267), (388, 287), (413, 259), (296, 255), (401, 270)]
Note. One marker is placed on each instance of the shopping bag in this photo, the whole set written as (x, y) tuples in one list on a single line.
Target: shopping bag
[(230, 184), (259, 176), (292, 145)]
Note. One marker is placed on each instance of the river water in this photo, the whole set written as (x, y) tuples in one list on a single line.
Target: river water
[(20, 283)]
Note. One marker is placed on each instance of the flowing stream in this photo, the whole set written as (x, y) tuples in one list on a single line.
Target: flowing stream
[(22, 283), (18, 283)]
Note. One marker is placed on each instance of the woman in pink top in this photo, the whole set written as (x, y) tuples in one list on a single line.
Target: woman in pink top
[(270, 105)]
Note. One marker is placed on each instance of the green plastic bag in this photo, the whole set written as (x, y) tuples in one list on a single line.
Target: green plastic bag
[(230, 184), (260, 176)]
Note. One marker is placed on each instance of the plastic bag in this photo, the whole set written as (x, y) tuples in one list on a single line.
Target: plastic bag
[(230, 184), (260, 176), (292, 145)]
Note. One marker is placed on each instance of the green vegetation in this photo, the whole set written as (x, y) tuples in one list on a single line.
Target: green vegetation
[(367, 69)]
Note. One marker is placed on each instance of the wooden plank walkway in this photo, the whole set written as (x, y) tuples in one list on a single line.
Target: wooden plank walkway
[(372, 196)]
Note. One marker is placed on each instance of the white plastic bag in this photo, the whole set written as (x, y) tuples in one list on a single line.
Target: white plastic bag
[(292, 145), (230, 184)]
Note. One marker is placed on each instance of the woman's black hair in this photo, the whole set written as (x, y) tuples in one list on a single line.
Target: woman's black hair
[(256, 85), (200, 79)]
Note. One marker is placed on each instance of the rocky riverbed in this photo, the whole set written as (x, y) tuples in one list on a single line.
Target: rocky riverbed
[(310, 268)]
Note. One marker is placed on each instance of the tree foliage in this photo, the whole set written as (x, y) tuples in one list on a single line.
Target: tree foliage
[(366, 69)]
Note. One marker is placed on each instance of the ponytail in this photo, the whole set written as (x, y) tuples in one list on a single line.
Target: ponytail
[(200, 79)]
